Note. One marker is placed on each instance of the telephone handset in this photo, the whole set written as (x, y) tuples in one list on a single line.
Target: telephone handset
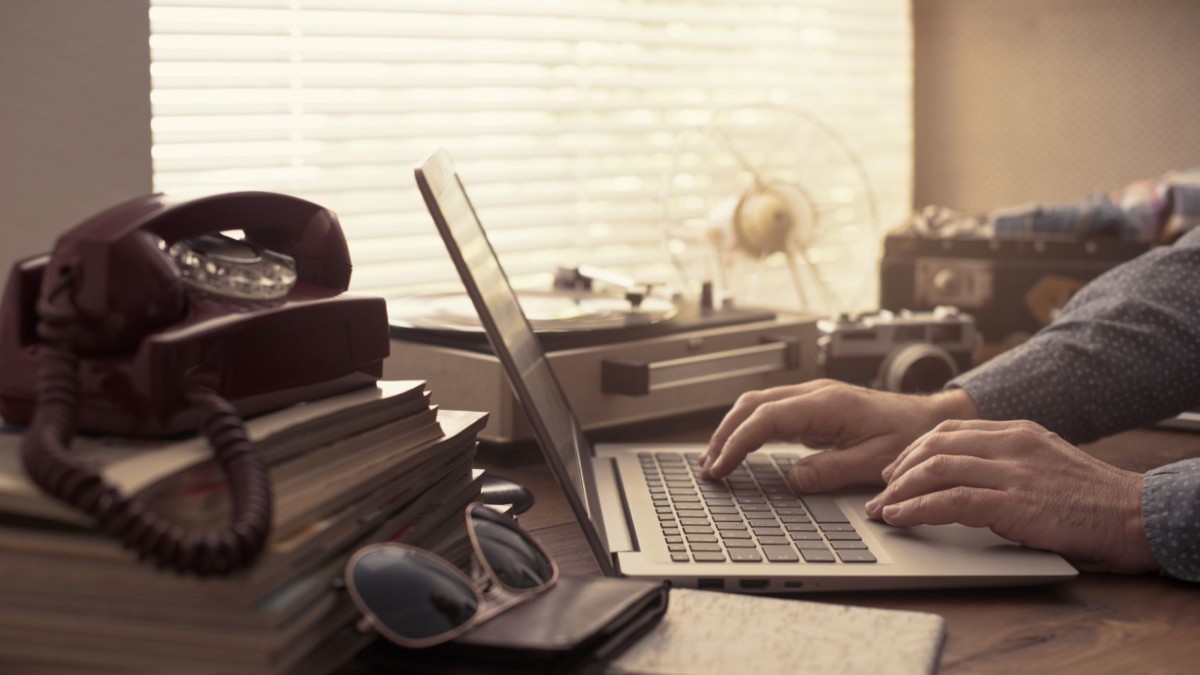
[(147, 321)]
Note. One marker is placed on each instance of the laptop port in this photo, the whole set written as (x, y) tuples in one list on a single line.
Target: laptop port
[(754, 583), (710, 584), (793, 584)]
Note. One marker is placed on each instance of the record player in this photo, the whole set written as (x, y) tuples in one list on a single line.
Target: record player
[(622, 358)]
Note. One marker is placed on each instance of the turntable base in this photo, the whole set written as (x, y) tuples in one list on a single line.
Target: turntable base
[(653, 370)]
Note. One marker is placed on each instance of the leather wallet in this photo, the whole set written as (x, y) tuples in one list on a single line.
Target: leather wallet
[(575, 626)]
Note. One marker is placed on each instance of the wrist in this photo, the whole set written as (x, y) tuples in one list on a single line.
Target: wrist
[(952, 404), (1136, 555)]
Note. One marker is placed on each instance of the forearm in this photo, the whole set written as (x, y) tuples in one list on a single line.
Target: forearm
[(1124, 352)]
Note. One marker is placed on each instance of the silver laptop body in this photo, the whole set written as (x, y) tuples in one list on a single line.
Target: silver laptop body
[(644, 513)]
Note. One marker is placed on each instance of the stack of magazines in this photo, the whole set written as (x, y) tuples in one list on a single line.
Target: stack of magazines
[(370, 465)]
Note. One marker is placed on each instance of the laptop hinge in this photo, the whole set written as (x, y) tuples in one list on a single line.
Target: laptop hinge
[(614, 507)]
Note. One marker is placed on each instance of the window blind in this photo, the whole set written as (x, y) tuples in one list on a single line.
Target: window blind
[(563, 117)]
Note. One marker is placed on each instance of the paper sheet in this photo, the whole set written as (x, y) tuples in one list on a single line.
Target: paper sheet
[(710, 632)]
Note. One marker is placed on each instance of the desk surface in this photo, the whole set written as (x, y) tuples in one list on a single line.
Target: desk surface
[(1097, 623)]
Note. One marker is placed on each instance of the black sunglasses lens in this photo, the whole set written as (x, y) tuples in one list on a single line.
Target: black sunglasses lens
[(411, 595), (509, 551)]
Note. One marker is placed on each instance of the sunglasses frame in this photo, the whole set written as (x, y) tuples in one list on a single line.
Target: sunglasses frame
[(508, 522), (489, 603)]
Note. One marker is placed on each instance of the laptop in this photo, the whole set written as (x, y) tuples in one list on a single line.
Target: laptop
[(646, 514)]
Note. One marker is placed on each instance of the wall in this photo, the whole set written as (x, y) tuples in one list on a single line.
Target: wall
[(1046, 100), (1015, 101), (74, 115)]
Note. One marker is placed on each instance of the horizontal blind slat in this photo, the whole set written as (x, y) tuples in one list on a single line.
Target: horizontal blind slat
[(566, 119), (317, 14)]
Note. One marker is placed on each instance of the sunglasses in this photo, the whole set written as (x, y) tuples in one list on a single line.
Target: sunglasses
[(417, 599)]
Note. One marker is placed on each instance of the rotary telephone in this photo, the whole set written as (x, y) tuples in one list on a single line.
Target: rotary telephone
[(147, 321)]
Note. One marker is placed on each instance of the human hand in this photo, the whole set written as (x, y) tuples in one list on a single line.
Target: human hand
[(868, 427), (1026, 484)]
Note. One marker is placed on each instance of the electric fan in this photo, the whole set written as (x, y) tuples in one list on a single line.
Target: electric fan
[(774, 208)]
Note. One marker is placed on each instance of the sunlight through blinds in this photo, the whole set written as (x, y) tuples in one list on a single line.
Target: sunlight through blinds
[(562, 116)]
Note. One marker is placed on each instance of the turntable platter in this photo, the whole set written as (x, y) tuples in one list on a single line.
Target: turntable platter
[(547, 311), (562, 319)]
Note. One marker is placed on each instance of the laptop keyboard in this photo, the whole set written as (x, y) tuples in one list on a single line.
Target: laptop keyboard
[(751, 516)]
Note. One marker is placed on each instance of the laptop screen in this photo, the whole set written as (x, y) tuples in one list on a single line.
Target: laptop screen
[(566, 448)]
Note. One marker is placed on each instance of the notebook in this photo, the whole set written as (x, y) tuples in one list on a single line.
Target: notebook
[(716, 633), (646, 514)]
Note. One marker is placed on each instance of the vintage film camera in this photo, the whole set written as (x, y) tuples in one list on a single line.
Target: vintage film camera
[(910, 352), (1013, 286)]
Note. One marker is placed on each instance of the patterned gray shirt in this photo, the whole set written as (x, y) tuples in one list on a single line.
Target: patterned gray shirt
[(1125, 352)]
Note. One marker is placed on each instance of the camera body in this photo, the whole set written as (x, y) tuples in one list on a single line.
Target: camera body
[(909, 352), (1013, 287)]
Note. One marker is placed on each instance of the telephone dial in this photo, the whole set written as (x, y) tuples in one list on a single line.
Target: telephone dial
[(147, 320)]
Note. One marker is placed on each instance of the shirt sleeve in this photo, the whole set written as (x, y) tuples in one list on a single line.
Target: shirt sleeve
[(1171, 515), (1124, 352)]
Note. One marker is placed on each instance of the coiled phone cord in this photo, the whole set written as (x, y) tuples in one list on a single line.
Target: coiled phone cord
[(49, 463)]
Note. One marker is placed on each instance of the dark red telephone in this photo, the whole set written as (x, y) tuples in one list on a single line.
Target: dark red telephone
[(147, 321)]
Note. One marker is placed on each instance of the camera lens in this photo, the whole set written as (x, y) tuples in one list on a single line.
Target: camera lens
[(917, 369)]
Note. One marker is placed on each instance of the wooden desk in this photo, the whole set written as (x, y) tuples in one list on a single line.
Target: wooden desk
[(1097, 623)]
